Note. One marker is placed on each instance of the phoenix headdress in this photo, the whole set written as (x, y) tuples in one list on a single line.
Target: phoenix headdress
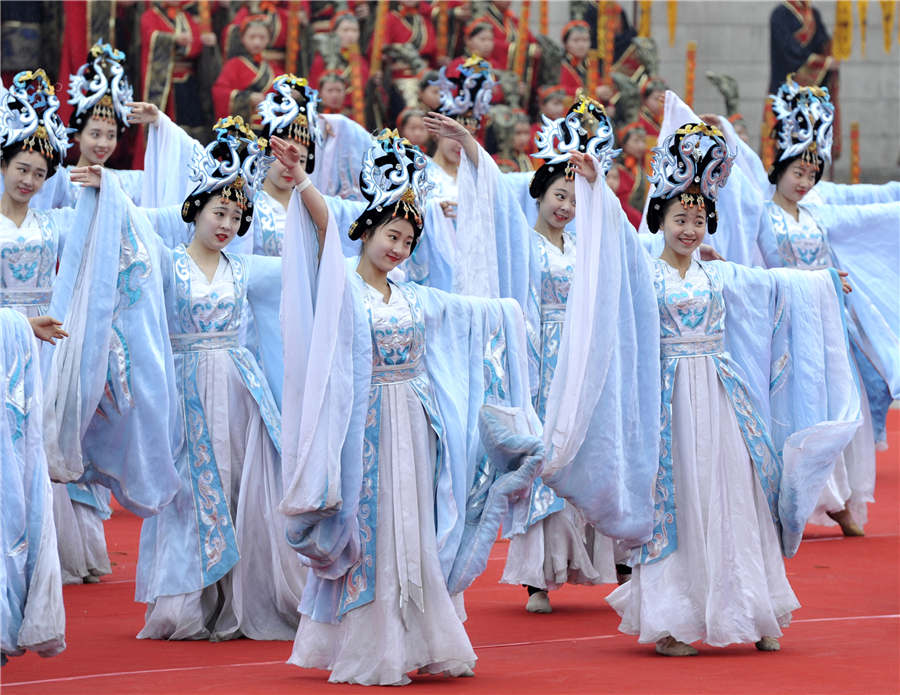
[(100, 88), (692, 163), (290, 111), (805, 116), (394, 182), (233, 166), (585, 128), (28, 116), (466, 96)]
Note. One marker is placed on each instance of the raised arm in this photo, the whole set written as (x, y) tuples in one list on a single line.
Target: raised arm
[(167, 157), (289, 155), (443, 126)]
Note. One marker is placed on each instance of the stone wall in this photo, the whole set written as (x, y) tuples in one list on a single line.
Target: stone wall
[(733, 38)]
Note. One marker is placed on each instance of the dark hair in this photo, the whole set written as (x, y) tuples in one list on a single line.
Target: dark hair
[(195, 203), (11, 151), (779, 167), (373, 219), (544, 177), (477, 28), (429, 78), (575, 27), (657, 207)]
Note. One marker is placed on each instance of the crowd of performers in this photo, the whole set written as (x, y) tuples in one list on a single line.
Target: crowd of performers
[(378, 63), (328, 369)]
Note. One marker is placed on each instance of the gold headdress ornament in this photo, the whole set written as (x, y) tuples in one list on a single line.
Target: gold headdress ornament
[(393, 180), (28, 115)]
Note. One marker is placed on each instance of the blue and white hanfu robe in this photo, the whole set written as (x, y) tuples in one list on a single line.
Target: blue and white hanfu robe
[(221, 541), (754, 404), (551, 543), (390, 496), (83, 374), (32, 616), (29, 256)]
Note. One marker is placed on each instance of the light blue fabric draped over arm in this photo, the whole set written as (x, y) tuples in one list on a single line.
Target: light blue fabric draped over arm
[(601, 431), (32, 615), (785, 331), (130, 441)]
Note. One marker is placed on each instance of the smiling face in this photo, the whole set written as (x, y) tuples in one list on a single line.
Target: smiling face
[(557, 206), (217, 223), (97, 140), (683, 227), (24, 175), (796, 181), (255, 38), (389, 244)]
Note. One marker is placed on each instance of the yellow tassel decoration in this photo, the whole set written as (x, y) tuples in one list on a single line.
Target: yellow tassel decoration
[(887, 23), (672, 16), (862, 9), (644, 23), (842, 44)]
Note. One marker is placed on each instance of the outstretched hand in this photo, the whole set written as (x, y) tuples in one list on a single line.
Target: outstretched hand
[(87, 176), (285, 152), (585, 166), (711, 119), (47, 328), (443, 126), (142, 112), (708, 253)]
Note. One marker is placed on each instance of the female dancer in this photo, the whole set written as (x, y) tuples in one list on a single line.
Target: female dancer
[(214, 564), (797, 229), (90, 253), (727, 502), (100, 95), (558, 546), (390, 497)]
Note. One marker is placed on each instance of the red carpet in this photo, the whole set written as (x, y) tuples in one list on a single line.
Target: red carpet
[(845, 638)]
